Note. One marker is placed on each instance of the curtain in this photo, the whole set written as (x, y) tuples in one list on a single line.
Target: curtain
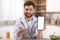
[(11, 9)]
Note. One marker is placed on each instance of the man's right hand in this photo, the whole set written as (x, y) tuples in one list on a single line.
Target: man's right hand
[(21, 31)]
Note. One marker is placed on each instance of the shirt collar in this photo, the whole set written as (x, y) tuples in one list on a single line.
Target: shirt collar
[(34, 19)]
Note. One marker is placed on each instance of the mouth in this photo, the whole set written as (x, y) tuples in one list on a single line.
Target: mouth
[(28, 15)]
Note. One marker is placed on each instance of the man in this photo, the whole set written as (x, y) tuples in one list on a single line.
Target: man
[(26, 26)]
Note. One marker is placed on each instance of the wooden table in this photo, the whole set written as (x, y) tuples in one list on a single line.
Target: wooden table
[(7, 39), (38, 39), (25, 39)]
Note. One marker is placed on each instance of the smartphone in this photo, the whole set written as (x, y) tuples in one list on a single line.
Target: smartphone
[(40, 23)]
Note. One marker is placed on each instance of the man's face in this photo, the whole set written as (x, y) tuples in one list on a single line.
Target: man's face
[(28, 11)]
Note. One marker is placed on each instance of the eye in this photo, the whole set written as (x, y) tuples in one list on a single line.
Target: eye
[(27, 9)]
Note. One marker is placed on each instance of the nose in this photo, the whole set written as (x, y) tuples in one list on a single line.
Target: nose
[(28, 11)]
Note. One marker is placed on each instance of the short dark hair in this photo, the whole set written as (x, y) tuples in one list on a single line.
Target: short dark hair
[(28, 3)]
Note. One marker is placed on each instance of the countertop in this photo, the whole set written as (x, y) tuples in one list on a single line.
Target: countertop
[(25, 39)]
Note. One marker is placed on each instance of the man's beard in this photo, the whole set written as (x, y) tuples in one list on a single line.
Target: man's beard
[(28, 15)]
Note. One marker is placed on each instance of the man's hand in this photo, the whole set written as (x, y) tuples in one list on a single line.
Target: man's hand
[(21, 31)]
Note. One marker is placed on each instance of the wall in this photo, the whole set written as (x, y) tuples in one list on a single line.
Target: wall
[(53, 5)]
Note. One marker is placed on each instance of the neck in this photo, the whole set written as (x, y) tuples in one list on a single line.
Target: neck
[(28, 19)]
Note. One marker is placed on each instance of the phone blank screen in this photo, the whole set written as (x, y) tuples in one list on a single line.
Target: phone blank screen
[(40, 23)]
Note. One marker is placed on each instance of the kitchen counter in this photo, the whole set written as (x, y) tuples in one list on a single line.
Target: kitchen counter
[(7, 39), (24, 39), (38, 39)]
